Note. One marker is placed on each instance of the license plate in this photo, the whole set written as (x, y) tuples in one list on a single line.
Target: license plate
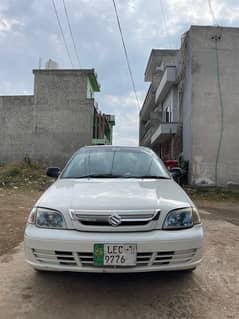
[(115, 254)]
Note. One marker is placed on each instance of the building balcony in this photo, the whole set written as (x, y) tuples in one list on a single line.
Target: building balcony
[(164, 132), (100, 141), (168, 79), (145, 140), (110, 119), (148, 104)]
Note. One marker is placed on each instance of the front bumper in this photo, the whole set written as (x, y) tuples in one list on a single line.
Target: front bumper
[(70, 250)]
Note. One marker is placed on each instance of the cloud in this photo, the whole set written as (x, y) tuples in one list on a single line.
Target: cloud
[(29, 30), (125, 101), (126, 111), (7, 24), (16, 88)]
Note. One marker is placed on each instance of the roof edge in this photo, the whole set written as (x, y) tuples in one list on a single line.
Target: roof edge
[(159, 53)]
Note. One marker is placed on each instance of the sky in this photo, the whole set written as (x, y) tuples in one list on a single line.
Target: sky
[(29, 32)]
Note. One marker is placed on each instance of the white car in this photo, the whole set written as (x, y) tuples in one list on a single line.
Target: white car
[(113, 209)]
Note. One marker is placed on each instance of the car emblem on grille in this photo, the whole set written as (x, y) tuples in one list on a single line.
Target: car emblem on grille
[(114, 220)]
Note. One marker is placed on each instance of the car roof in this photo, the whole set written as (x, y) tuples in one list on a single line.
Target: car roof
[(140, 148)]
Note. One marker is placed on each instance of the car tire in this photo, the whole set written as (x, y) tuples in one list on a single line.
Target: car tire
[(40, 271), (190, 270)]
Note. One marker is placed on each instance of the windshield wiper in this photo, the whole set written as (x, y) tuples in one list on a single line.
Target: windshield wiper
[(98, 176), (152, 176), (116, 176)]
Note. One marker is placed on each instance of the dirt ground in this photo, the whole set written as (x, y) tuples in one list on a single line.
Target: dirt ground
[(16, 203), (212, 291), (15, 206)]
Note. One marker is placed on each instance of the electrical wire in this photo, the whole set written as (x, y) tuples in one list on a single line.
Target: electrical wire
[(62, 32), (214, 20), (164, 24), (221, 111), (71, 33), (126, 55)]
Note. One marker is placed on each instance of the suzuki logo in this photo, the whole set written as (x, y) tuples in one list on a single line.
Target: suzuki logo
[(114, 220)]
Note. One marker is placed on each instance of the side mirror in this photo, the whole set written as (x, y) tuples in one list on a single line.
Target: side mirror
[(53, 172)]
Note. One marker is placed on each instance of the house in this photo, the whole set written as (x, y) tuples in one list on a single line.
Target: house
[(192, 104), (60, 117)]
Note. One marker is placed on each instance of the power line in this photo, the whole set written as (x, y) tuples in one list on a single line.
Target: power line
[(164, 23), (71, 33), (214, 20), (126, 55), (221, 110), (62, 33)]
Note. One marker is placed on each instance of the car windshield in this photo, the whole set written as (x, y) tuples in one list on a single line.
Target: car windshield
[(115, 163)]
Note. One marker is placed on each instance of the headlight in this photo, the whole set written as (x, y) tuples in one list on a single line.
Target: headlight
[(181, 218), (32, 216), (46, 218)]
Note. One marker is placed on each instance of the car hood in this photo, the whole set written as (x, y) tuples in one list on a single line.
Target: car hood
[(114, 194)]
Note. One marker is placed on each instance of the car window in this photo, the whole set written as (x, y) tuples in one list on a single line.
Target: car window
[(130, 163), (78, 166), (114, 163), (100, 162)]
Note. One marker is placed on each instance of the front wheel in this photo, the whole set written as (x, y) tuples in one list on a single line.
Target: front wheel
[(190, 270), (40, 271)]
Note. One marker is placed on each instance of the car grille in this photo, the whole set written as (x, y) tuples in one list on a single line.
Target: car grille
[(65, 258), (86, 259), (174, 257), (113, 221)]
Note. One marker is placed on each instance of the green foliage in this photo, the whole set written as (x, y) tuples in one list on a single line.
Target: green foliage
[(28, 160), (27, 173)]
